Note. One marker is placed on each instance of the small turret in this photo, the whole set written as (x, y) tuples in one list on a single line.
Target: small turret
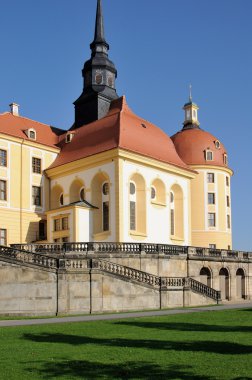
[(191, 113)]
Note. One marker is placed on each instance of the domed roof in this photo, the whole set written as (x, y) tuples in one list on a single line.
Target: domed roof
[(193, 143), (120, 128)]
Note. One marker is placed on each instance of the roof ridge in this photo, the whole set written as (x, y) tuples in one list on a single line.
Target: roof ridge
[(28, 118)]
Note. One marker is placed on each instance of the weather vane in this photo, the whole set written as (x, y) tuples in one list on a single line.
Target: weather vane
[(190, 93)]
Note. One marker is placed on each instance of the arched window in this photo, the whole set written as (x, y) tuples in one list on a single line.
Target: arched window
[(132, 206), (100, 197), (172, 213), (158, 192), (82, 194), (105, 206), (137, 204), (176, 212), (57, 198), (75, 189)]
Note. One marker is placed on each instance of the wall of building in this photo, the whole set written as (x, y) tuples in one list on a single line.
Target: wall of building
[(202, 234), (157, 215), (18, 214), (78, 287)]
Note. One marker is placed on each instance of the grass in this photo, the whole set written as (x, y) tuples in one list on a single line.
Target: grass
[(201, 346)]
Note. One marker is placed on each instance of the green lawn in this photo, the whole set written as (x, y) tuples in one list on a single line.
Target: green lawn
[(203, 346)]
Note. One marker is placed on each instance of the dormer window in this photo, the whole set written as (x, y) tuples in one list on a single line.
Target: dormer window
[(31, 134), (225, 159), (69, 137), (217, 144), (209, 155)]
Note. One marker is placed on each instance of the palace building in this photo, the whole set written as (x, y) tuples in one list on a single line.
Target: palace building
[(113, 214), (113, 176)]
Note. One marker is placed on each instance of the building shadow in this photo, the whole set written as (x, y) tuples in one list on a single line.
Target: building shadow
[(84, 369), (180, 326), (217, 347)]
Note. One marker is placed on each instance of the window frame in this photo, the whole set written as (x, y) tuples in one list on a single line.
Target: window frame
[(3, 191), (36, 165), (211, 218), (207, 152), (209, 198), (3, 158), (228, 222), (37, 196), (228, 201), (4, 231), (210, 176)]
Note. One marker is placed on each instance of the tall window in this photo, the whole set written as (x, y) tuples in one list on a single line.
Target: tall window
[(65, 223), (3, 157), (227, 181), (228, 201), (211, 219), (105, 210), (3, 190), (211, 198), (172, 221), (228, 221), (210, 177), (132, 206), (57, 226), (3, 236), (36, 195), (105, 206), (36, 165)]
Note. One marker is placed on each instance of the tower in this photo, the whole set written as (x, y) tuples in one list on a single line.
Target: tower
[(99, 74)]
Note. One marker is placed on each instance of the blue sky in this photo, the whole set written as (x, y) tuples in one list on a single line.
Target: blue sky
[(159, 48)]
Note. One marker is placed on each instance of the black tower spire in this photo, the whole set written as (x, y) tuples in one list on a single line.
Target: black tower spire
[(99, 74)]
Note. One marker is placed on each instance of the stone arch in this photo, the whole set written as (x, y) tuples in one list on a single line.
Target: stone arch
[(160, 190), (206, 276), (97, 200), (140, 202), (56, 193), (74, 190), (224, 283), (177, 212), (240, 283)]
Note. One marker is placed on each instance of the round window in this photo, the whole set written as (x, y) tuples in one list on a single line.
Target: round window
[(132, 188), (153, 192), (217, 144), (61, 199), (105, 188), (171, 197), (82, 194)]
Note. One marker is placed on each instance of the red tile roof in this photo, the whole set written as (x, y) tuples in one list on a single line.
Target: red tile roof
[(15, 126), (121, 128), (191, 145)]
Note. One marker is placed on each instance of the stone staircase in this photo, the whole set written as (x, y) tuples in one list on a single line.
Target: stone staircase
[(19, 256)]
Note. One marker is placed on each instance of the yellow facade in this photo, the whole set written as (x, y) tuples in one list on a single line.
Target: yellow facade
[(18, 215), (203, 234)]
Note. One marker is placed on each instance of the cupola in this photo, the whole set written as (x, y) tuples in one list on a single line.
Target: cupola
[(191, 113)]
